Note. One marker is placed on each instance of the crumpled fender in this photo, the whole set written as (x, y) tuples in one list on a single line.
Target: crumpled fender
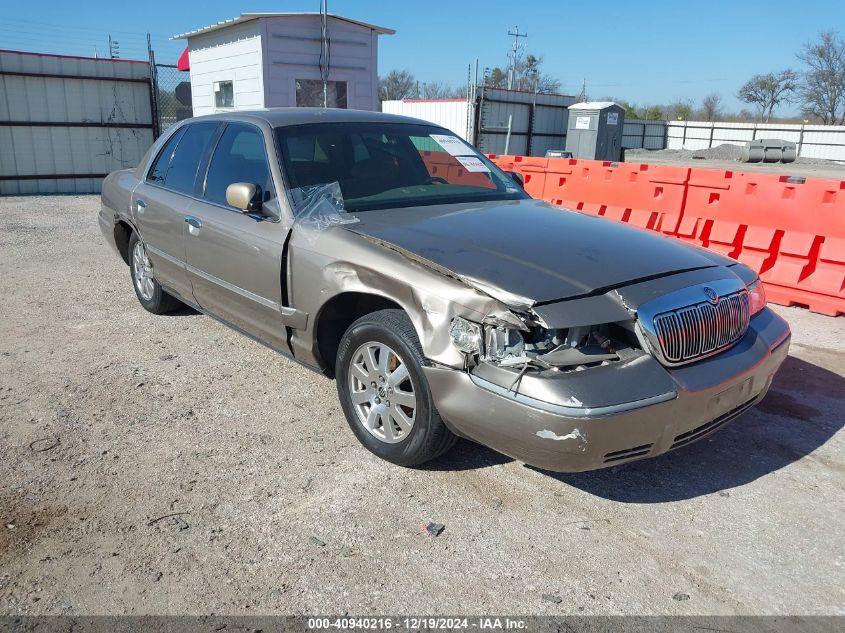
[(430, 297)]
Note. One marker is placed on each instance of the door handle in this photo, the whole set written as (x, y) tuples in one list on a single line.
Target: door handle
[(140, 204), (193, 221)]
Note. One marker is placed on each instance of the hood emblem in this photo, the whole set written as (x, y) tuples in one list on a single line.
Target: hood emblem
[(711, 294)]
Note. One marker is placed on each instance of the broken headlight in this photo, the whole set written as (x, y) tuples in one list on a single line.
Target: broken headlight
[(466, 335), (573, 348), (501, 343)]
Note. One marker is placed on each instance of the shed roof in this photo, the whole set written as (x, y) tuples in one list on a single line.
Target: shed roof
[(593, 105), (246, 17)]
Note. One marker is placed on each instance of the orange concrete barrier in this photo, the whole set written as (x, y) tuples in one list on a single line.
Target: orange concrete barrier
[(790, 230), (807, 251), (647, 196), (534, 170)]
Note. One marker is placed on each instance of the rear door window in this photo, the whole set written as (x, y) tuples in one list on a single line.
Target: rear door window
[(159, 169), (182, 172), (239, 157)]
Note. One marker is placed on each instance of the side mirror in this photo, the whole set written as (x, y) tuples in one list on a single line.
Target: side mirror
[(244, 196), (516, 177)]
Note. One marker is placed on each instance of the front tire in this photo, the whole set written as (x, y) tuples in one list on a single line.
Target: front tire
[(384, 393), (149, 292)]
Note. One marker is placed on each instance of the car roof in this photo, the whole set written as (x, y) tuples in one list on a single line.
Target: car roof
[(281, 117)]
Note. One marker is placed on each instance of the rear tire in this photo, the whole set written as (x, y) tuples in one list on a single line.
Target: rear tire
[(149, 292), (380, 358)]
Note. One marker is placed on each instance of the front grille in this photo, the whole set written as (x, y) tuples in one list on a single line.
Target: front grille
[(688, 333)]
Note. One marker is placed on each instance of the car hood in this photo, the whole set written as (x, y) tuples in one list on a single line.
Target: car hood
[(526, 252)]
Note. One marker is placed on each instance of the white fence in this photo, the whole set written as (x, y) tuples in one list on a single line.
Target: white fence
[(813, 141)]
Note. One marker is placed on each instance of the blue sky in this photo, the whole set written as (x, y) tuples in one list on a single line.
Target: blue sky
[(646, 52)]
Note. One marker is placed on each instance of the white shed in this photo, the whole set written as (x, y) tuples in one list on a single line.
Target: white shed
[(259, 60)]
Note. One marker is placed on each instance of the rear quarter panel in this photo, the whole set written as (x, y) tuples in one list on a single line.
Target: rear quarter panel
[(117, 192), (116, 205)]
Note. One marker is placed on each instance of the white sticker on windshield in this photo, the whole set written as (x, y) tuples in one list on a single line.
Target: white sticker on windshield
[(471, 163), (452, 144)]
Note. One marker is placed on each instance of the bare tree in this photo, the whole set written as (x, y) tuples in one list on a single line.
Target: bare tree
[(769, 91), (397, 84), (681, 109), (711, 106), (441, 90), (823, 88)]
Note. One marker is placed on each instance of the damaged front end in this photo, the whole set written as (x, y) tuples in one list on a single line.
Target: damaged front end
[(548, 387), (526, 344), (511, 346)]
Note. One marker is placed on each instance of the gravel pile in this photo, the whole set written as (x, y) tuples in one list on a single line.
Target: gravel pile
[(725, 151), (661, 154)]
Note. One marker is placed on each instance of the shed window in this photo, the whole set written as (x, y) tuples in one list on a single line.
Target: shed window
[(224, 94), (309, 93)]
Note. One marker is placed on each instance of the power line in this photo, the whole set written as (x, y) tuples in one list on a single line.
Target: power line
[(514, 54), (65, 27)]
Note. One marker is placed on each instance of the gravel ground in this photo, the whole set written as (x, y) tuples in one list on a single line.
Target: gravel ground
[(167, 465), (726, 157)]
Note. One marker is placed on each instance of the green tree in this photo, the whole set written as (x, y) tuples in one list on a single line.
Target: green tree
[(653, 113), (528, 76)]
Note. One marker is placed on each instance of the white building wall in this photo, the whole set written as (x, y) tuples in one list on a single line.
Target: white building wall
[(448, 113), (292, 51), (230, 54)]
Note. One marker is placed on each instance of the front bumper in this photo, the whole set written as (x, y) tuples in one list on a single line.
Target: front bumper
[(582, 421)]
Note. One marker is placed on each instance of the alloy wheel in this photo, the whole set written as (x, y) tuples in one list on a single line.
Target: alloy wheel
[(382, 392), (142, 272)]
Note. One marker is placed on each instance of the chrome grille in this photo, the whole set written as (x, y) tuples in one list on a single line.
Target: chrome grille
[(694, 331)]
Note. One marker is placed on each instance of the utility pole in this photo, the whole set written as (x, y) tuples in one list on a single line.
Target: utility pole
[(514, 54), (114, 48), (583, 96)]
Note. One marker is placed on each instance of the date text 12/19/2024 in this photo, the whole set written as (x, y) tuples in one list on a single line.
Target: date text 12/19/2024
[(416, 623)]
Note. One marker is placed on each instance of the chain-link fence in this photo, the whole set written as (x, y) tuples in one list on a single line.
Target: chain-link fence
[(172, 96)]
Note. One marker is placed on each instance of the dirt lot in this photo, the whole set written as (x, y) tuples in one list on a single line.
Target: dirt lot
[(166, 465)]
